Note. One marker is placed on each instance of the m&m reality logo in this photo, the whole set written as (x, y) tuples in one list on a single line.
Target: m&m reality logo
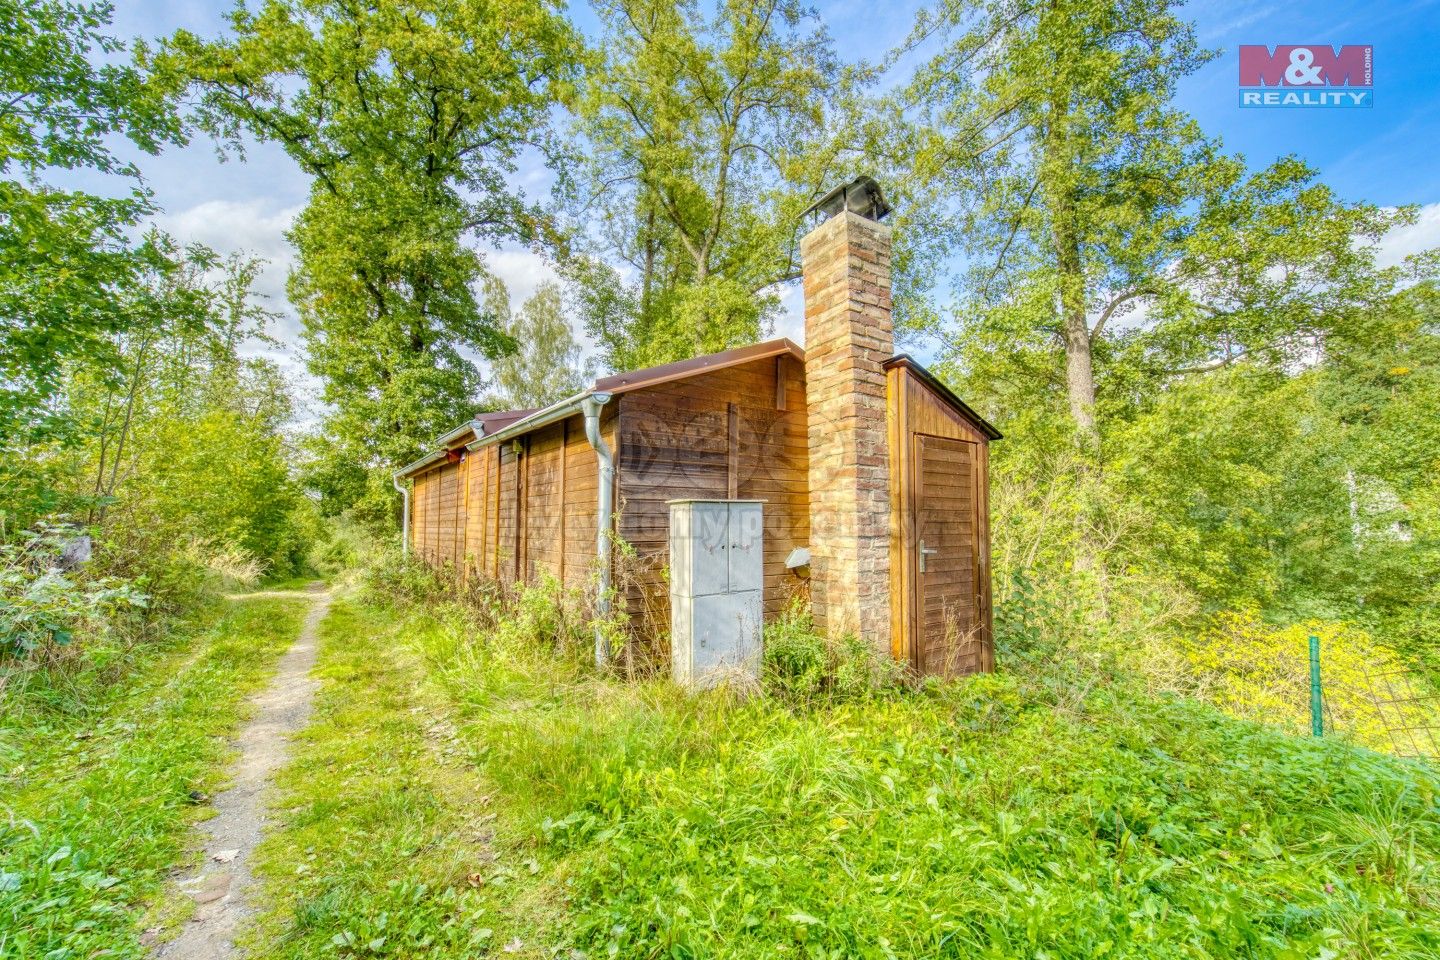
[(1307, 75)]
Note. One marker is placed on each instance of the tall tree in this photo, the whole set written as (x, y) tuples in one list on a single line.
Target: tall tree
[(706, 136), (409, 115), (1098, 218), (68, 262), (546, 365), (186, 447)]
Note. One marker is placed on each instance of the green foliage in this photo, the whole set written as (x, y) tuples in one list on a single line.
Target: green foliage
[(804, 666), (408, 115), (71, 272), (173, 454), (185, 451), (392, 576), (101, 761), (546, 366), (1109, 237), (705, 137), (1262, 673), (40, 604), (340, 546)]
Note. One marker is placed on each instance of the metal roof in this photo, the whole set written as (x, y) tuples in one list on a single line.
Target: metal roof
[(489, 428)]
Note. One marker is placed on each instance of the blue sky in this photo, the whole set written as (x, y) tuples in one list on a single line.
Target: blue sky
[(1386, 155)]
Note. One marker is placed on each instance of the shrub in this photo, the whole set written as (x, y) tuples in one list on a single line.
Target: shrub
[(41, 604), (801, 664), (341, 545), (394, 577), (1256, 671)]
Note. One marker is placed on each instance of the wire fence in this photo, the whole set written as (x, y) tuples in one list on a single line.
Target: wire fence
[(1407, 706)]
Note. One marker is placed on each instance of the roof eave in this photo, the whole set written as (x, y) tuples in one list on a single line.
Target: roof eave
[(542, 417), (607, 387), (945, 393), (415, 466)]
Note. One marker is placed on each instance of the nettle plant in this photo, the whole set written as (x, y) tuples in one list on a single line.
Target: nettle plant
[(41, 603)]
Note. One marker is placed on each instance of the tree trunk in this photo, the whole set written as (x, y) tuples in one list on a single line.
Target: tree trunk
[(1080, 375), (1058, 183), (1070, 278)]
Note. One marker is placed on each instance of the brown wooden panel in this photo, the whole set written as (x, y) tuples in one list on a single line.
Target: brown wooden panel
[(912, 408), (740, 432), (507, 500), (542, 506), (479, 512), (951, 637), (582, 484)]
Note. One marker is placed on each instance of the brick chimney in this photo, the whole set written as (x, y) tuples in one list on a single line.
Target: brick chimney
[(848, 335)]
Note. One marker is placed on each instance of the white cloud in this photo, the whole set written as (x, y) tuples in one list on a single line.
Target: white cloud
[(1423, 234), (251, 227), (522, 271)]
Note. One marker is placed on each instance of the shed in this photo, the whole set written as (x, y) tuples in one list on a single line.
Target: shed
[(869, 468)]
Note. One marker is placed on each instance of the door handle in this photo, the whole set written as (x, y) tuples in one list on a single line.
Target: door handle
[(925, 552)]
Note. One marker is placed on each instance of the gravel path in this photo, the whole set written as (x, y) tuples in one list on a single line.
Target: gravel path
[(219, 885)]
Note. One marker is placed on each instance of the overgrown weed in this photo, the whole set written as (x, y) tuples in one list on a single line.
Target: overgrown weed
[(1057, 807), (101, 782)]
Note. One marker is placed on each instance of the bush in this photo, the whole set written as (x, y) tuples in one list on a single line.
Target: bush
[(341, 545), (802, 665), (41, 604), (393, 577), (1256, 671)]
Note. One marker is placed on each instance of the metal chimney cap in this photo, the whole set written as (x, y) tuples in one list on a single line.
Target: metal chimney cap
[(861, 195)]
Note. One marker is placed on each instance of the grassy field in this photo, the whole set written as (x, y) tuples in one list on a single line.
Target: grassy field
[(104, 765), (381, 842), (466, 790)]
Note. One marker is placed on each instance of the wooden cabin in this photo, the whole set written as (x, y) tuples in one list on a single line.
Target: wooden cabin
[(873, 473)]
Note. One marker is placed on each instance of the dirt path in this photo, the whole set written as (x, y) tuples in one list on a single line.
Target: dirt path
[(219, 885)]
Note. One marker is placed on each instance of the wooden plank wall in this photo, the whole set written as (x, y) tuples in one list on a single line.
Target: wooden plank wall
[(734, 433), (544, 479), (580, 502), (514, 510), (479, 509), (912, 408), (527, 507)]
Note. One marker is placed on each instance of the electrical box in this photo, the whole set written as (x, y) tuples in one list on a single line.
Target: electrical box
[(717, 576)]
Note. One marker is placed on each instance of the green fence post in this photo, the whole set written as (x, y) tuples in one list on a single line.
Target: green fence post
[(1317, 722)]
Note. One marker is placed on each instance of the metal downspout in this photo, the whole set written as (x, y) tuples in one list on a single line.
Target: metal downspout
[(591, 405), (404, 516)]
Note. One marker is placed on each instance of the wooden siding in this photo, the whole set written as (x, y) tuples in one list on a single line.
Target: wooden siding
[(914, 410), (478, 511), (734, 433), (579, 503), (514, 510), (527, 507), (544, 481)]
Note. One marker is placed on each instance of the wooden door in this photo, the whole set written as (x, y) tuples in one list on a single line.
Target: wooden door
[(950, 635)]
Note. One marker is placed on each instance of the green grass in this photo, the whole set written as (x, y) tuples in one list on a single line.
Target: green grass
[(382, 844), (104, 764), (1034, 814), (466, 790)]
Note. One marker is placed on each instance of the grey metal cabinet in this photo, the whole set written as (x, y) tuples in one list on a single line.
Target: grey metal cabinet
[(717, 576)]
